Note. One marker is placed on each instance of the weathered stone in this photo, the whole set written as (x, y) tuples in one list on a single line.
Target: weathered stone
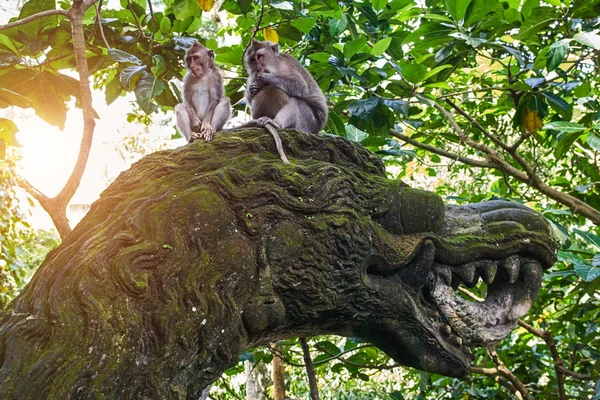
[(196, 254)]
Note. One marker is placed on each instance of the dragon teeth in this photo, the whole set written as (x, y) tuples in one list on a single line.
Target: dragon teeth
[(466, 274), (488, 270), (511, 268), (445, 274)]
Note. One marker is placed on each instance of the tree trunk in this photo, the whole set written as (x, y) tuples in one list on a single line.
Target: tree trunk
[(278, 374)]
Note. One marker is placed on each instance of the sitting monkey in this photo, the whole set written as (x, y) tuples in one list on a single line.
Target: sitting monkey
[(281, 93), (205, 107)]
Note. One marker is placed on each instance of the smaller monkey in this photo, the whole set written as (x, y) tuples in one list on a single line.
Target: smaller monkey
[(205, 107), (281, 93)]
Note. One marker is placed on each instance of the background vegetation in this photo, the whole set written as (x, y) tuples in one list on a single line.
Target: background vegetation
[(475, 99)]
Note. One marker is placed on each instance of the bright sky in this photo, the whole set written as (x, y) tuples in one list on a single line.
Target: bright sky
[(49, 154)]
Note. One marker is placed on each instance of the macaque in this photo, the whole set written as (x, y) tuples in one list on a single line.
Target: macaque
[(205, 107), (281, 93)]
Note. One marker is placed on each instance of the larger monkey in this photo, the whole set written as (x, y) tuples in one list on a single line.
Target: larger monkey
[(205, 107), (281, 92)]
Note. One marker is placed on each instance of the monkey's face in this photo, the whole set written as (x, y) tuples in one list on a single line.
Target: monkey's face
[(261, 57), (199, 60)]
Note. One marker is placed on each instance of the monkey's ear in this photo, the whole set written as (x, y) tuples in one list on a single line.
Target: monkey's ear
[(275, 47), (211, 54)]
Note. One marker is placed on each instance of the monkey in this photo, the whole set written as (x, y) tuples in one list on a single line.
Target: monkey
[(205, 107), (281, 93)]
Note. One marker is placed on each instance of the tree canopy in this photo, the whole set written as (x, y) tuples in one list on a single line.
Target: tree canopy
[(488, 98)]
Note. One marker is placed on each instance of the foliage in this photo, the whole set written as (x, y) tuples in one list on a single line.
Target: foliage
[(21, 248), (488, 98)]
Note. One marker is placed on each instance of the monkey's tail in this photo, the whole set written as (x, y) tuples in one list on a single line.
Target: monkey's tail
[(275, 135)]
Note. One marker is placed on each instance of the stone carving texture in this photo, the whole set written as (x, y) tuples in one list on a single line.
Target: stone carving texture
[(198, 253)]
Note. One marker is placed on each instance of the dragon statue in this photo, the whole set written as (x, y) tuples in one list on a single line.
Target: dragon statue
[(198, 253)]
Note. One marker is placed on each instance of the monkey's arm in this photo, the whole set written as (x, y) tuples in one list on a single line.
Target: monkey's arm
[(293, 84)]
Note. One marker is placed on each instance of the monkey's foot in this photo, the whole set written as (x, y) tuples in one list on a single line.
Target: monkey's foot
[(195, 136), (207, 132), (264, 121)]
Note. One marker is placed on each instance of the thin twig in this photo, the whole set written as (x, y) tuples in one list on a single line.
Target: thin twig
[(559, 366), (477, 125), (500, 370), (33, 17), (99, 18), (310, 370), (445, 153)]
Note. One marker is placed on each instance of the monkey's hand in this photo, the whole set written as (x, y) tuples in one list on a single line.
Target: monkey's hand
[(254, 88), (260, 81), (196, 126), (207, 131)]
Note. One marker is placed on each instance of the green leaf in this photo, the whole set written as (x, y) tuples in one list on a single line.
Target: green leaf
[(457, 8), (413, 73), (36, 6), (535, 82), (121, 56), (563, 126), (184, 8), (337, 26), (556, 54), (10, 98), (147, 88), (335, 124), (381, 46), (478, 11), (128, 74), (435, 70), (471, 41), (354, 46), (540, 18), (564, 109), (159, 65), (437, 17), (589, 39), (165, 25), (49, 106), (378, 4), (304, 24), (400, 106), (245, 5), (329, 347), (565, 141), (587, 272), (8, 129), (5, 41), (113, 90), (593, 140), (589, 237), (355, 134), (363, 109)]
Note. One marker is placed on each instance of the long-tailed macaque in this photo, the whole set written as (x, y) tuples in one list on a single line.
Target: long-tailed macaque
[(281, 93), (205, 107)]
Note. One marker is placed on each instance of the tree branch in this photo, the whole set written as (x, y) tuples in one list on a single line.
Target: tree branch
[(444, 153), (559, 366), (497, 161), (477, 125), (310, 370), (33, 17), (500, 370)]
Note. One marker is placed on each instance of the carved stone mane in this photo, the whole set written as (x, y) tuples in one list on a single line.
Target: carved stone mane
[(196, 254)]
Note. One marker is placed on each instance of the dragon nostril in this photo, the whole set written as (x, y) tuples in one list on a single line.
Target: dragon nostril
[(413, 211)]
